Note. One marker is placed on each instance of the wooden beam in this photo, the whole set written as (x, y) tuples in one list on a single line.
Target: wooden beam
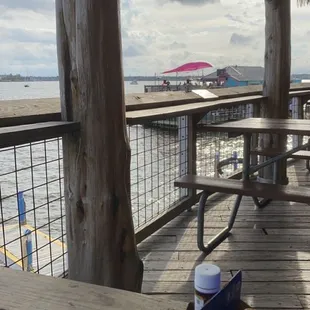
[(299, 93), (31, 119), (277, 57), (101, 241), (192, 148), (277, 75), (137, 117), (28, 111), (16, 135)]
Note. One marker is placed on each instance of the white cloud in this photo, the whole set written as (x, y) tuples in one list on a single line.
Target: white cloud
[(156, 34), (33, 5)]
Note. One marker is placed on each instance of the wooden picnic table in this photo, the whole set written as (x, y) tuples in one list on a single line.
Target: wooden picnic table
[(24, 290), (245, 187)]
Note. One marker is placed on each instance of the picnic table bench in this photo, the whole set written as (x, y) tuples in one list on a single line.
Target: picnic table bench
[(247, 187)]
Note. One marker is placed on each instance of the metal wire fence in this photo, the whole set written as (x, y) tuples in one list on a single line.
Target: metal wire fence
[(157, 160), (32, 208), (220, 154)]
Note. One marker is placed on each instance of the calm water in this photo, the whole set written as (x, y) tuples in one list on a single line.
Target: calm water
[(47, 90)]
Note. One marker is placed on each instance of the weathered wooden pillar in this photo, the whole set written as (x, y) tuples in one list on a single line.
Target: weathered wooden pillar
[(100, 232), (297, 113), (277, 74)]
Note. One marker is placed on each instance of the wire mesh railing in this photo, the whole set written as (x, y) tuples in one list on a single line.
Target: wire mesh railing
[(216, 148), (156, 162), (32, 208)]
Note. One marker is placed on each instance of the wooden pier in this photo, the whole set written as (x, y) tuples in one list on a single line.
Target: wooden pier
[(270, 245)]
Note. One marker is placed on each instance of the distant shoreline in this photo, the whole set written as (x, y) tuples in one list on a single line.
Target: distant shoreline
[(19, 78), (27, 81), (138, 78)]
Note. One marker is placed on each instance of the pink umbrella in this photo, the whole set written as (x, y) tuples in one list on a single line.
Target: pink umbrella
[(191, 66)]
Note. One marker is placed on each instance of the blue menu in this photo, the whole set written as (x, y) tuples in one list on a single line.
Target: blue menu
[(229, 297)]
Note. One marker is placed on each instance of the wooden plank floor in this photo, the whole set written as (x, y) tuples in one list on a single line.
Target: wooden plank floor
[(271, 246)]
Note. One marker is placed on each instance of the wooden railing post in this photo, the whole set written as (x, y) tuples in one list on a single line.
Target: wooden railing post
[(183, 149), (192, 148), (297, 113), (277, 76), (254, 141), (100, 233)]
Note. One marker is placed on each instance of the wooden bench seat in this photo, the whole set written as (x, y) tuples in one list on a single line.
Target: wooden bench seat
[(240, 188), (245, 188)]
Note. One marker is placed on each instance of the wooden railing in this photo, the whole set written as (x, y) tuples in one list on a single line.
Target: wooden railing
[(166, 142)]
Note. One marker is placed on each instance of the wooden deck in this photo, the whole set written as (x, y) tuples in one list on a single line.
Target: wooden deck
[(271, 246)]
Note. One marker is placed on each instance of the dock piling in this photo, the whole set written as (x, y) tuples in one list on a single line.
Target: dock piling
[(27, 250), (216, 162), (235, 157), (21, 208)]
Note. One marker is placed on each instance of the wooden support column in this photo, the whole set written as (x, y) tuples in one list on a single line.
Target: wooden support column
[(255, 137), (277, 74), (192, 149), (100, 232), (297, 113)]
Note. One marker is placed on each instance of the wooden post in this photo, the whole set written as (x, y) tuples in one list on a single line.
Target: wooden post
[(192, 149), (254, 141), (297, 113), (100, 232), (183, 129), (277, 74)]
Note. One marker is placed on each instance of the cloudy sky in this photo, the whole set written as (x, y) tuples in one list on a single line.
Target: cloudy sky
[(157, 35)]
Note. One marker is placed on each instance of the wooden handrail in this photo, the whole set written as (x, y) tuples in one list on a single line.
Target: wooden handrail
[(137, 117), (16, 135)]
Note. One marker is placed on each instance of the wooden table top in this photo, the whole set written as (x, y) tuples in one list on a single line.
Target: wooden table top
[(263, 125), (25, 290)]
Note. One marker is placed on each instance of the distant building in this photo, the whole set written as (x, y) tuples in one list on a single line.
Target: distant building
[(232, 76)]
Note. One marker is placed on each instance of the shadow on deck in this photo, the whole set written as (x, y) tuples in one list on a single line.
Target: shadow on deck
[(271, 246)]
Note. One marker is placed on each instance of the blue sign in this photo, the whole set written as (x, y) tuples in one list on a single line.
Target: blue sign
[(229, 297)]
